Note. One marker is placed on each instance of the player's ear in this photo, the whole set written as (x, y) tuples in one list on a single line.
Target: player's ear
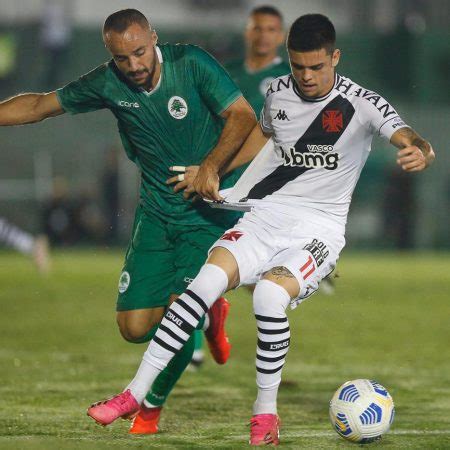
[(335, 57), (154, 37)]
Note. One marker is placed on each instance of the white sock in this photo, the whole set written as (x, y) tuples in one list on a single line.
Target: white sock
[(270, 301), (177, 325), (15, 237)]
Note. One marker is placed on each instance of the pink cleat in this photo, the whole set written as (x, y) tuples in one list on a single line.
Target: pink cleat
[(123, 405), (216, 336), (264, 429)]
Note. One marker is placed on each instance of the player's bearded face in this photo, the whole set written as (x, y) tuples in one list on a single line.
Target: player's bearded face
[(264, 34), (134, 54), (314, 71)]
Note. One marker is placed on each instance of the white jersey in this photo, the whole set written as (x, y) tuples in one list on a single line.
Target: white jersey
[(321, 146)]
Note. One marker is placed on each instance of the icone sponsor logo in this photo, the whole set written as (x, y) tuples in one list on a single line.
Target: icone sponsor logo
[(279, 345), (128, 104), (310, 160), (174, 318), (318, 251)]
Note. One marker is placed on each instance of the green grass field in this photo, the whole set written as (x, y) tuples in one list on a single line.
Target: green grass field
[(60, 350)]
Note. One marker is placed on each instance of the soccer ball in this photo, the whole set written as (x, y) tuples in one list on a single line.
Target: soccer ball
[(361, 411)]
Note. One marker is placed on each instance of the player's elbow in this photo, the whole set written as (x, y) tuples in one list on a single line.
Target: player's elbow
[(249, 116), (242, 114)]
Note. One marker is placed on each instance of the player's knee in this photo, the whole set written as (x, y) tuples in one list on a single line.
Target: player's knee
[(270, 299), (135, 327), (133, 335), (225, 260)]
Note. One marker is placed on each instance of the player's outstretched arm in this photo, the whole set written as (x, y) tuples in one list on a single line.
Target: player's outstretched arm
[(184, 180), (415, 153), (252, 146), (239, 122), (29, 108)]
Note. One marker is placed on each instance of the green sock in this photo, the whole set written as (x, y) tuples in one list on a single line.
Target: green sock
[(198, 338), (167, 379)]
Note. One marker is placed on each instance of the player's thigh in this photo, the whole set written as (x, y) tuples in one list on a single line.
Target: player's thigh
[(192, 245), (250, 246), (148, 272), (309, 261)]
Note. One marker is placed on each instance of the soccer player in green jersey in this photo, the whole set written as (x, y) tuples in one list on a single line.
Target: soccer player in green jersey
[(264, 34), (174, 105)]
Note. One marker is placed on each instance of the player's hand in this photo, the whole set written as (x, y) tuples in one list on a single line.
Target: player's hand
[(184, 181), (206, 184), (412, 159)]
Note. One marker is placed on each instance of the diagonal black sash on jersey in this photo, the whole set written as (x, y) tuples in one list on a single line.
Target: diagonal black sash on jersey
[(314, 135)]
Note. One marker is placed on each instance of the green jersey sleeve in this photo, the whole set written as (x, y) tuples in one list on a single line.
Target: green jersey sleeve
[(216, 87), (85, 94)]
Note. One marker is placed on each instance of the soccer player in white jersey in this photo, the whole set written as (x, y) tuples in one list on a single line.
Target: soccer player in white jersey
[(322, 125)]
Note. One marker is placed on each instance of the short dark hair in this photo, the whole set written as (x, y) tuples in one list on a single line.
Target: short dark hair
[(122, 19), (312, 32), (269, 10)]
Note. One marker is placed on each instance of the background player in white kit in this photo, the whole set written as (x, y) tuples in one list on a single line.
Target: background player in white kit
[(322, 125)]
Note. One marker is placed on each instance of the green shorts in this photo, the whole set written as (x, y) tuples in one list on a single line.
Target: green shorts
[(162, 259)]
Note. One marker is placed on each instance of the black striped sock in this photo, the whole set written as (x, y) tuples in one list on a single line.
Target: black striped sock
[(179, 323), (273, 345)]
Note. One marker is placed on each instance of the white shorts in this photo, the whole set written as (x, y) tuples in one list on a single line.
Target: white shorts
[(262, 240)]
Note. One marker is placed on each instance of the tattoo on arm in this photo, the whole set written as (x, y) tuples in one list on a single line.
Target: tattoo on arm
[(281, 272), (412, 138)]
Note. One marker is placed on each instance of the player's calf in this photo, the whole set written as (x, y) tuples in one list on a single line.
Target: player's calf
[(269, 303), (175, 329)]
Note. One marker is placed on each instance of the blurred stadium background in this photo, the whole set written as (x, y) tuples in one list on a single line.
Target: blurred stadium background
[(400, 48)]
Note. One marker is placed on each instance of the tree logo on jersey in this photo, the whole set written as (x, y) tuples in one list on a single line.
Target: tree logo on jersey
[(177, 107), (233, 236), (124, 282), (332, 121)]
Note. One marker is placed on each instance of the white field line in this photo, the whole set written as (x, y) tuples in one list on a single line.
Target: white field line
[(307, 434)]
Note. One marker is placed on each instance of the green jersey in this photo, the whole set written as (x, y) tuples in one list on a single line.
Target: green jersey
[(254, 84), (177, 123)]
